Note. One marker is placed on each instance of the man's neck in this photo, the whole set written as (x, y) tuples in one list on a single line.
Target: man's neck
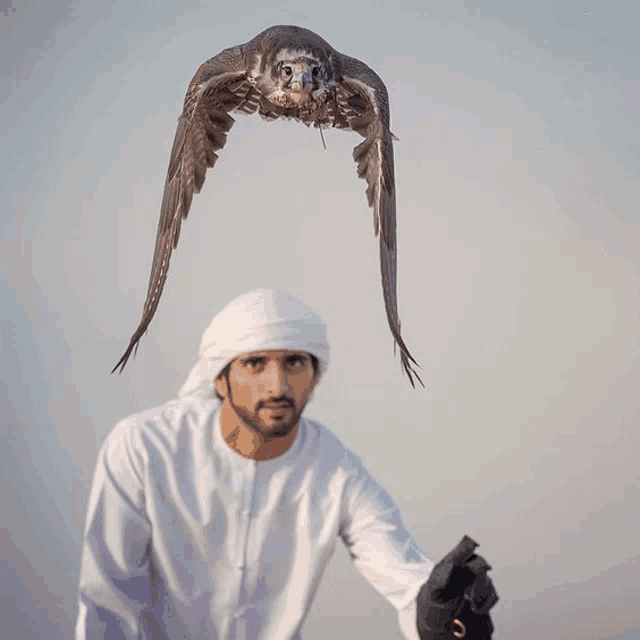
[(249, 444)]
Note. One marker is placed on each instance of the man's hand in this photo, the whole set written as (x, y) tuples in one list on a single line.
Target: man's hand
[(455, 600)]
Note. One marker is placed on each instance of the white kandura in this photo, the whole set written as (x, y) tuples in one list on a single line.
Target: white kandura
[(185, 538)]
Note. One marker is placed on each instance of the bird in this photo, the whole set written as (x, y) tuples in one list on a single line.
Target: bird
[(285, 72)]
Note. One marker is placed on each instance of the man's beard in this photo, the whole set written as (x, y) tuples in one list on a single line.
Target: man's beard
[(280, 429)]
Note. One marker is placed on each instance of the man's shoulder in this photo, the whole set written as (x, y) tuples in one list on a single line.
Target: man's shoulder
[(174, 406), (163, 419), (327, 446)]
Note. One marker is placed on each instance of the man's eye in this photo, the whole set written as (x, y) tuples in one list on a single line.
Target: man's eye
[(288, 70)]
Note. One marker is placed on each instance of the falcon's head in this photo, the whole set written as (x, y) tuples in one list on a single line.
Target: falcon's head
[(298, 78)]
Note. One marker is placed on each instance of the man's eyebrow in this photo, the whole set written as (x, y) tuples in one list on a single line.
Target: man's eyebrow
[(250, 358), (262, 357), (303, 357)]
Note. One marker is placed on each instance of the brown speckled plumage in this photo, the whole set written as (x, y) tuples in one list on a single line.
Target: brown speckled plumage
[(332, 90)]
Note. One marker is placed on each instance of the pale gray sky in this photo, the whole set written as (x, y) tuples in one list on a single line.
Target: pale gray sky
[(519, 238)]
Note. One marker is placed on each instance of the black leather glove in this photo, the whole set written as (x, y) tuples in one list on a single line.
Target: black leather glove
[(455, 601)]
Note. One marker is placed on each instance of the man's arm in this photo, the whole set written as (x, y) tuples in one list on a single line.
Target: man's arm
[(382, 548), (114, 588)]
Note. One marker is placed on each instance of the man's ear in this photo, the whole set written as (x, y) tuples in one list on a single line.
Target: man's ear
[(316, 378), (220, 385)]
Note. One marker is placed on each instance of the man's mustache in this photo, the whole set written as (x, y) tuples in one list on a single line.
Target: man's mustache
[(281, 401)]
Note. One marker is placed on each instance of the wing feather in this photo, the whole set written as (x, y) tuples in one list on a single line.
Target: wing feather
[(364, 103), (218, 87)]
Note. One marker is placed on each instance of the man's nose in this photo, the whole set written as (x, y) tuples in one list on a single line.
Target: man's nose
[(277, 381)]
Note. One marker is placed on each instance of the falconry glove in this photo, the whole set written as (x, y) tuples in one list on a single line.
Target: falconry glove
[(455, 600)]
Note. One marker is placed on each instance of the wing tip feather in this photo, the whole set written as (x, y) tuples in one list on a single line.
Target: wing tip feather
[(410, 370)]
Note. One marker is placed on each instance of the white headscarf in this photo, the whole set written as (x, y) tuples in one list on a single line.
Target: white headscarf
[(257, 320)]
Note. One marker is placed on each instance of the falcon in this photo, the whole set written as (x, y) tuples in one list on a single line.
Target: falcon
[(292, 73)]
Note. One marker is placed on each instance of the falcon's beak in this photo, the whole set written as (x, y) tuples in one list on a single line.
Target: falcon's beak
[(302, 82), (301, 86)]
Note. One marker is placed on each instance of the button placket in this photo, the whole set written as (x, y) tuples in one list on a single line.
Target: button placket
[(245, 522)]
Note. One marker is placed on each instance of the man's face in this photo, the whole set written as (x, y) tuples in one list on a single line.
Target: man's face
[(268, 390)]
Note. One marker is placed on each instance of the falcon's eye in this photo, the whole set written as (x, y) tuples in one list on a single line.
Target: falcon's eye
[(288, 70), (315, 71)]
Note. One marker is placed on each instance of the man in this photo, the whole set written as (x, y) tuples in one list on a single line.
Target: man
[(214, 515)]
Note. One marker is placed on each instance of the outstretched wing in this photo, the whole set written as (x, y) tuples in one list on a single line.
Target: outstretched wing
[(219, 87), (363, 106)]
